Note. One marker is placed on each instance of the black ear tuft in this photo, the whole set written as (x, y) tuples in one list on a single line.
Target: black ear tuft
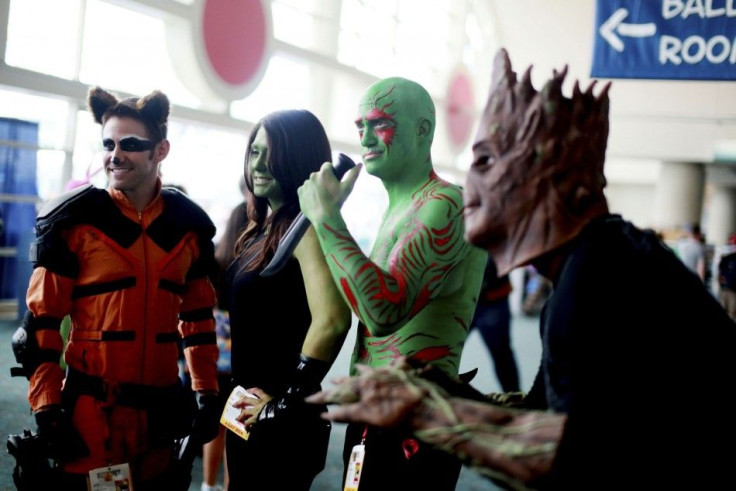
[(155, 106), (98, 101)]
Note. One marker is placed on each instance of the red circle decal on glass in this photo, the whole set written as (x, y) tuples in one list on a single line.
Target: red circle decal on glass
[(460, 109), (234, 34)]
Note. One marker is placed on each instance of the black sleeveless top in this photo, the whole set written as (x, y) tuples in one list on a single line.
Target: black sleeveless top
[(269, 318)]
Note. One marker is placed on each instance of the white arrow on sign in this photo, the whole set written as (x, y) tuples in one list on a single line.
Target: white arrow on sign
[(615, 25)]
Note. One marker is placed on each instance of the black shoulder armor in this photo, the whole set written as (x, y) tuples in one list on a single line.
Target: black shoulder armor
[(57, 205), (85, 204), (181, 215), (191, 212)]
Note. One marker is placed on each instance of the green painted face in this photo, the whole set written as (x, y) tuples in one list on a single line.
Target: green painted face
[(264, 184), (395, 122)]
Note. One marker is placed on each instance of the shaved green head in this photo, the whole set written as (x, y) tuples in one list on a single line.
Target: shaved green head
[(399, 97), (396, 119)]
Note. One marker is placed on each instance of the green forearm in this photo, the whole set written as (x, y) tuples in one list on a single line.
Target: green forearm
[(416, 252), (360, 281), (324, 342), (331, 317)]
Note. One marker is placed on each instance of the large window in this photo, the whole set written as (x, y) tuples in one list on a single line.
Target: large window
[(42, 36), (339, 47), (389, 38), (127, 50), (285, 85)]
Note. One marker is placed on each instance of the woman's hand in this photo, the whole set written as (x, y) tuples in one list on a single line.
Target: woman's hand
[(251, 406)]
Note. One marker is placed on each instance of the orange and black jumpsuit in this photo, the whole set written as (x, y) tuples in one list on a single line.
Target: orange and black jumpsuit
[(135, 285)]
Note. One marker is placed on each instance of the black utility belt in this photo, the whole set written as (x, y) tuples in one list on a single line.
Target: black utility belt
[(124, 394)]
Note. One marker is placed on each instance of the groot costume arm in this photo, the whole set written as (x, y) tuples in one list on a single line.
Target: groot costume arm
[(505, 444)]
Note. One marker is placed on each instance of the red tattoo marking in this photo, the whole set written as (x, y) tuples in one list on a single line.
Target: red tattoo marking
[(364, 356), (393, 338), (389, 347), (342, 236), (349, 293), (441, 241), (379, 110), (385, 297), (385, 293), (385, 134), (441, 238), (432, 353), (462, 323), (424, 296), (394, 345)]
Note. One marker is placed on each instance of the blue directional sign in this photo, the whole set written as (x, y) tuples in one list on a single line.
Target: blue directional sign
[(665, 39)]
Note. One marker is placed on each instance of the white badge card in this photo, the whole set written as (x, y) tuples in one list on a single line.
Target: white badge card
[(111, 478), (355, 466)]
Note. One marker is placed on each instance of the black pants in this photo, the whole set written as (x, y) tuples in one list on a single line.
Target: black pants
[(297, 448), (386, 466)]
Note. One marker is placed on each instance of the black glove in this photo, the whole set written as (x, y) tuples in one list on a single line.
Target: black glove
[(306, 381), (60, 439), (207, 421)]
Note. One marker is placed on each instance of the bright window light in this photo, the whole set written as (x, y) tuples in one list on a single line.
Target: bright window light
[(285, 85), (42, 36), (126, 50)]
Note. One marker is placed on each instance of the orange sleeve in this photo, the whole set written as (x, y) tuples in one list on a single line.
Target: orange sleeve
[(49, 301), (197, 329)]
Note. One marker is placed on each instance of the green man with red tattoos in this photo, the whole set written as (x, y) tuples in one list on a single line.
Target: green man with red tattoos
[(416, 293)]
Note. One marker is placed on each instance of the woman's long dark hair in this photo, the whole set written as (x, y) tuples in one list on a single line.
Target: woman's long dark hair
[(297, 146)]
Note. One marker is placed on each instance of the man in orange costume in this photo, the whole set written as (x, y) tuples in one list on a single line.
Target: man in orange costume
[(130, 265)]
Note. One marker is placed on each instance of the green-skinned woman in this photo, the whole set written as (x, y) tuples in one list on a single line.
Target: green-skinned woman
[(286, 329)]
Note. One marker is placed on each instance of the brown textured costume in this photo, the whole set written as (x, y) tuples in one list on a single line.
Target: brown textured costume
[(537, 178)]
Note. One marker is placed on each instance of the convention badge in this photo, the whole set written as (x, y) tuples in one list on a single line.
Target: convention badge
[(230, 413), (111, 478), (355, 466)]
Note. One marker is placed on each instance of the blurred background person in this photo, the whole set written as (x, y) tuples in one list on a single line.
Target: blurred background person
[(725, 261), (691, 250), (492, 319)]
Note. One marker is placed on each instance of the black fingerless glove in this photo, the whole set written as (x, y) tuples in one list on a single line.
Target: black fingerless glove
[(207, 421), (61, 440), (306, 380)]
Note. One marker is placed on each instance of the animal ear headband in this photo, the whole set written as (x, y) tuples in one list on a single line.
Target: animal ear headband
[(152, 109)]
